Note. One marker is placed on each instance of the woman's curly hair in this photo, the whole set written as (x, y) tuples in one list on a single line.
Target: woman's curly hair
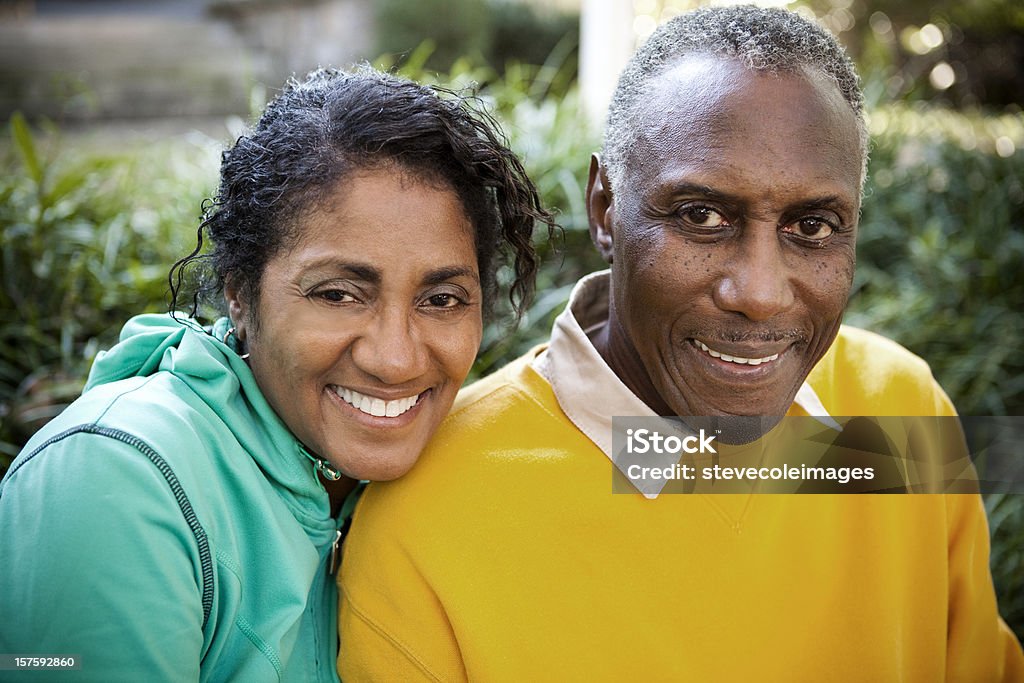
[(333, 123)]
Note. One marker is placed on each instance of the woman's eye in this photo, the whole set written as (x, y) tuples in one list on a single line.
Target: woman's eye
[(443, 300), (335, 296), (702, 216), (813, 228)]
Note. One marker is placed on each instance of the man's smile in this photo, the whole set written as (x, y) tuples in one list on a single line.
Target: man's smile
[(740, 360)]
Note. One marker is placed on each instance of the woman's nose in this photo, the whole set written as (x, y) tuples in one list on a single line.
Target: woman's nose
[(391, 349)]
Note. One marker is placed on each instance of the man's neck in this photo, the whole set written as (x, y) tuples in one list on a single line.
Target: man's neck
[(609, 339)]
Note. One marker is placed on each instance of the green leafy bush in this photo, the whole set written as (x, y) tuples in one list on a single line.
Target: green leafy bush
[(941, 246), (499, 31), (454, 27), (86, 242), (523, 33)]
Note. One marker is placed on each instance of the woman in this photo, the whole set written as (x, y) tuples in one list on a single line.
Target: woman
[(175, 521)]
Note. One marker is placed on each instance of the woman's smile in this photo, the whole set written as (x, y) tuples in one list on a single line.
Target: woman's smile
[(377, 407)]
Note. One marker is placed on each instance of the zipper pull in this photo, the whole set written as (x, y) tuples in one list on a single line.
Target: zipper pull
[(332, 564), (326, 470)]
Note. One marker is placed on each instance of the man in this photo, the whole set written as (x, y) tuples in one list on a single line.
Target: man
[(726, 201)]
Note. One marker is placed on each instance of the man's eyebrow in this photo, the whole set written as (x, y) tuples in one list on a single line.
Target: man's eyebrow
[(698, 189), (436, 277), (831, 201)]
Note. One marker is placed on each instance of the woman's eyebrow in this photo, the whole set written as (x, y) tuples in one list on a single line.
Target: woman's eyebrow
[(372, 275), (436, 277), (362, 271), (333, 266)]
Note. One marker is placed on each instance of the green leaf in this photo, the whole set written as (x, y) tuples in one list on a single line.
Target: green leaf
[(26, 147)]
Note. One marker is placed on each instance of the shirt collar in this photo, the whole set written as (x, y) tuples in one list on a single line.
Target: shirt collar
[(588, 391)]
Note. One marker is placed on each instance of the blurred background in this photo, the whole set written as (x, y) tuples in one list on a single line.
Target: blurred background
[(116, 112)]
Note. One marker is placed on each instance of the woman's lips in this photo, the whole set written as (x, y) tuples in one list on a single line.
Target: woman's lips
[(374, 406)]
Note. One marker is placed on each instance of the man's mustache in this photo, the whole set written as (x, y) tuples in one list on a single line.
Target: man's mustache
[(740, 336)]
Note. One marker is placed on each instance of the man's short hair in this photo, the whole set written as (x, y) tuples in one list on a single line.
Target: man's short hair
[(773, 40)]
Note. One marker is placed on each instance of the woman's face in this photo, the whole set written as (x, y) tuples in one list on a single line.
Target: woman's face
[(369, 324)]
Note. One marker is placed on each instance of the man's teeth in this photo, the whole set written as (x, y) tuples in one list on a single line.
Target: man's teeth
[(734, 359), (377, 407)]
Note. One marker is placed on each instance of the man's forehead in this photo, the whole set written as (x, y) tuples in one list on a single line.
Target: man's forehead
[(697, 84), (704, 104)]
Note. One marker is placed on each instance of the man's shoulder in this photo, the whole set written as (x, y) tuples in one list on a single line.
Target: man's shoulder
[(872, 358), (515, 390), (509, 417), (865, 373)]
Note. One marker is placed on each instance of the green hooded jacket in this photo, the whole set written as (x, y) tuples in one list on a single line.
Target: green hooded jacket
[(168, 526)]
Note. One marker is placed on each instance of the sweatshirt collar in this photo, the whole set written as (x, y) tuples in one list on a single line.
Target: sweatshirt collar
[(208, 363)]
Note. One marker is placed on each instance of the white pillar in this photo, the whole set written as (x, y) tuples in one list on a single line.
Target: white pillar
[(606, 43)]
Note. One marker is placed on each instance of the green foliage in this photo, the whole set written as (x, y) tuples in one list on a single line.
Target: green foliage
[(981, 42), (498, 31), (520, 32), (86, 241), (453, 26), (940, 250), (1006, 526)]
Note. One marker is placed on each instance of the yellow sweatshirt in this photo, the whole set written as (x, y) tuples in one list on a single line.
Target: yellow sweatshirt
[(504, 556)]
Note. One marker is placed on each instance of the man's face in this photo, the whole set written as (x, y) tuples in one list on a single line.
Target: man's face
[(732, 237)]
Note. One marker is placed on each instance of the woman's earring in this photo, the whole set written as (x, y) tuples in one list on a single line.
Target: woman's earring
[(227, 335)]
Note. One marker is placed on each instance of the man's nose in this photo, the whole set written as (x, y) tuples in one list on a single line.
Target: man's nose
[(756, 280), (391, 348)]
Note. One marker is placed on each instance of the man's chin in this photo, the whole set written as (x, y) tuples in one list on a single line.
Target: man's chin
[(734, 430)]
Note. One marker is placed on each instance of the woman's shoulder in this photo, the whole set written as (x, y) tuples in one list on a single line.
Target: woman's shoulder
[(150, 426), (144, 407), (96, 530)]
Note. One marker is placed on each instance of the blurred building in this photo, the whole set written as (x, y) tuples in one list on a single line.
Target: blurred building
[(87, 60)]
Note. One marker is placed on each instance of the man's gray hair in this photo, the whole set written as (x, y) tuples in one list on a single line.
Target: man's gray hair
[(773, 40)]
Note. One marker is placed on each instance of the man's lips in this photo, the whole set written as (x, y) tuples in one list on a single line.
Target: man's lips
[(748, 358)]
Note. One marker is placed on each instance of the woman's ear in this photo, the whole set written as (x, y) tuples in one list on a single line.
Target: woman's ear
[(600, 208), (238, 307)]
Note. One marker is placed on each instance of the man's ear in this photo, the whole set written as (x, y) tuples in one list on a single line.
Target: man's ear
[(238, 307), (600, 208)]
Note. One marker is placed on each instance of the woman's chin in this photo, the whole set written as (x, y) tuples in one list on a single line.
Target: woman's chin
[(379, 466)]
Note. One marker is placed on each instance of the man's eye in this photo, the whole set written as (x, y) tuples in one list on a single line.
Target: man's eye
[(702, 216), (813, 228)]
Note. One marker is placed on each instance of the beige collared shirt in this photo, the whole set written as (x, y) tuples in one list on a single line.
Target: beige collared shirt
[(588, 390)]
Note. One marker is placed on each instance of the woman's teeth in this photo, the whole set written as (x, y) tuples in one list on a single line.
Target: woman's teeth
[(377, 407), (734, 359)]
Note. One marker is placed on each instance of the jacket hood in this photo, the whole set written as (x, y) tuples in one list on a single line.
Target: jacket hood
[(213, 371)]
